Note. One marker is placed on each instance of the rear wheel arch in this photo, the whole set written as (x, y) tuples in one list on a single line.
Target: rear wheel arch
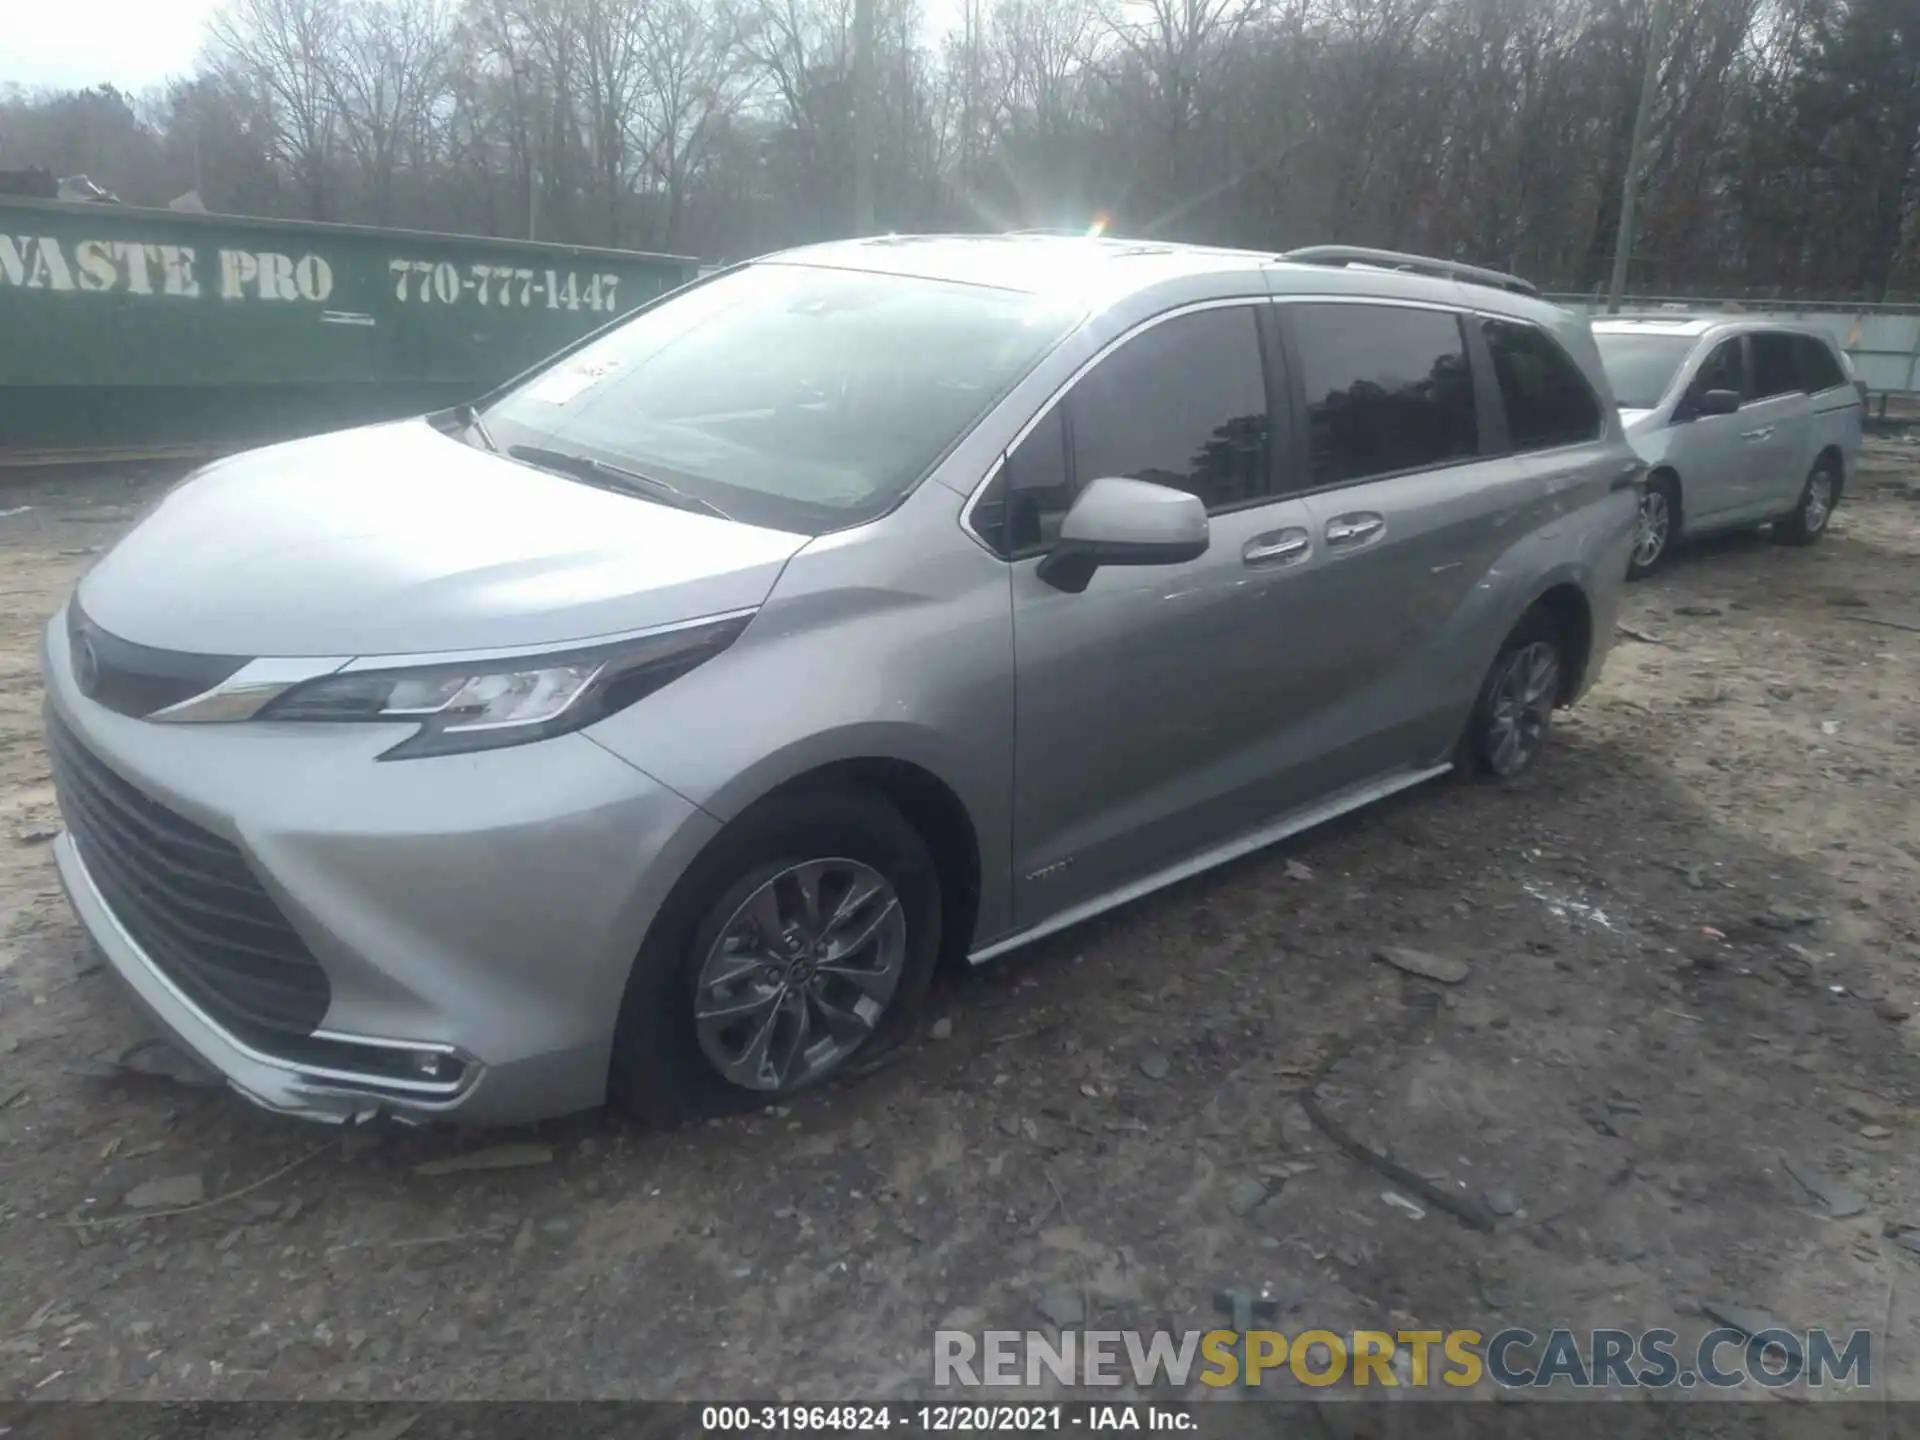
[(1835, 458), (1507, 726), (1567, 606)]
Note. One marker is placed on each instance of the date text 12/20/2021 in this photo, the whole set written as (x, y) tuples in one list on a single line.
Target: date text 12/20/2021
[(945, 1419), (441, 282)]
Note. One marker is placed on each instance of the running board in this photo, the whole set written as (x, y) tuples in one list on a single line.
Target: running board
[(1292, 824)]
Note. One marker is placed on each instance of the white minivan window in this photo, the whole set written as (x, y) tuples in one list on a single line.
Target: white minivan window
[(1819, 370), (1776, 365), (1641, 367), (792, 396)]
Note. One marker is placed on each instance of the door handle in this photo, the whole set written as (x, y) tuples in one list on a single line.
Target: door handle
[(1276, 547), (1764, 432), (1354, 529)]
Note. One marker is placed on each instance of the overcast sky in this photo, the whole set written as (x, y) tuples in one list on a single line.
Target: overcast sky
[(137, 43), (128, 43)]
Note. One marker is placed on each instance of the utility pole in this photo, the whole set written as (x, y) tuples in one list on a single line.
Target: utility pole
[(1637, 151), (863, 117), (523, 96)]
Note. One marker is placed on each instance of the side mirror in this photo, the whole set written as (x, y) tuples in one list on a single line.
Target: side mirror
[(1717, 402), (1124, 522)]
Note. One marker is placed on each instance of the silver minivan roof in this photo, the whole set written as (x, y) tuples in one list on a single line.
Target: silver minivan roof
[(1043, 262)]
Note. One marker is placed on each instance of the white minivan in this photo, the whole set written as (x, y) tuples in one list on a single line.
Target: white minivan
[(1742, 422)]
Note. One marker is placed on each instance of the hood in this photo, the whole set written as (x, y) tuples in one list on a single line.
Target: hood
[(396, 539), (1632, 420)]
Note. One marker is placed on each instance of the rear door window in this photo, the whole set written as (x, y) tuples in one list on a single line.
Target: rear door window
[(1387, 389), (1776, 365), (1548, 401), (1819, 369)]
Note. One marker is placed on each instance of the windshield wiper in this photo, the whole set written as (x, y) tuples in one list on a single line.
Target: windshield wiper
[(469, 416), (614, 477)]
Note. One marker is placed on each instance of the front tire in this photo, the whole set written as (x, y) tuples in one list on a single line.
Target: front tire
[(1514, 711), (1658, 526), (1810, 518), (802, 939)]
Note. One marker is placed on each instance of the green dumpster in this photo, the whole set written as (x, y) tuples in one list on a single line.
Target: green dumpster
[(133, 331)]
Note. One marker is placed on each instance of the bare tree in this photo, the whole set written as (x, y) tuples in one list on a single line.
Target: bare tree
[(689, 64), (283, 53), (1174, 43), (388, 77), (1783, 155)]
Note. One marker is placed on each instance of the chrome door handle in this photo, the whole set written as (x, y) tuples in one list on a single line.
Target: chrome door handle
[(1276, 547), (1761, 434), (1351, 530)]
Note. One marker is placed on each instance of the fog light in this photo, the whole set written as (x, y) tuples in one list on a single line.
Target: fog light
[(430, 1066)]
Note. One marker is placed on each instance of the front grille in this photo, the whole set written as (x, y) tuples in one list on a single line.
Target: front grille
[(137, 679), (189, 900)]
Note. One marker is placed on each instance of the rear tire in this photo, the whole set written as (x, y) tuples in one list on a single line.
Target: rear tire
[(1513, 713), (1658, 527), (1810, 518), (734, 949)]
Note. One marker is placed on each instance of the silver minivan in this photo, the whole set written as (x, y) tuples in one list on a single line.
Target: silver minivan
[(1742, 422), (651, 728)]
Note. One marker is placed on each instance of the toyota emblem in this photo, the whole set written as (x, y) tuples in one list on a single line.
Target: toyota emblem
[(86, 666)]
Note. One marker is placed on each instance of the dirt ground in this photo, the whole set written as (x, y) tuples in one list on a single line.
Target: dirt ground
[(1693, 937)]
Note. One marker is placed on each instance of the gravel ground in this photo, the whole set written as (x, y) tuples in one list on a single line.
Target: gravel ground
[(1691, 939)]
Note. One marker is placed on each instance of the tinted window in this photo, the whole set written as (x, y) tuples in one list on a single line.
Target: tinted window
[(1721, 370), (1547, 399), (1020, 512), (1819, 370), (1640, 367), (801, 398), (1387, 389), (1776, 365), (1183, 404)]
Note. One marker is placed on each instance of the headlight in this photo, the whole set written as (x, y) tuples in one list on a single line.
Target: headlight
[(480, 705)]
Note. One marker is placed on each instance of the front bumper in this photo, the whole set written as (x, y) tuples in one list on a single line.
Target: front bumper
[(484, 908), (270, 1081)]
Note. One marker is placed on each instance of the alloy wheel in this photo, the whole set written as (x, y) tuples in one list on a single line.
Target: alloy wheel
[(801, 974), (1521, 707), (1655, 525), (1817, 508)]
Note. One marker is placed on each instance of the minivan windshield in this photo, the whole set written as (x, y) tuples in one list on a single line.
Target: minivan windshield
[(791, 396), (1640, 367)]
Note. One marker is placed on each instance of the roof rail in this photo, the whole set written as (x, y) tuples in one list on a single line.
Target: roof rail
[(1417, 264)]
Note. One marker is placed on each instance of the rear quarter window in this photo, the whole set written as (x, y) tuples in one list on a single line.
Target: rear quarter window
[(1547, 399), (1819, 367)]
